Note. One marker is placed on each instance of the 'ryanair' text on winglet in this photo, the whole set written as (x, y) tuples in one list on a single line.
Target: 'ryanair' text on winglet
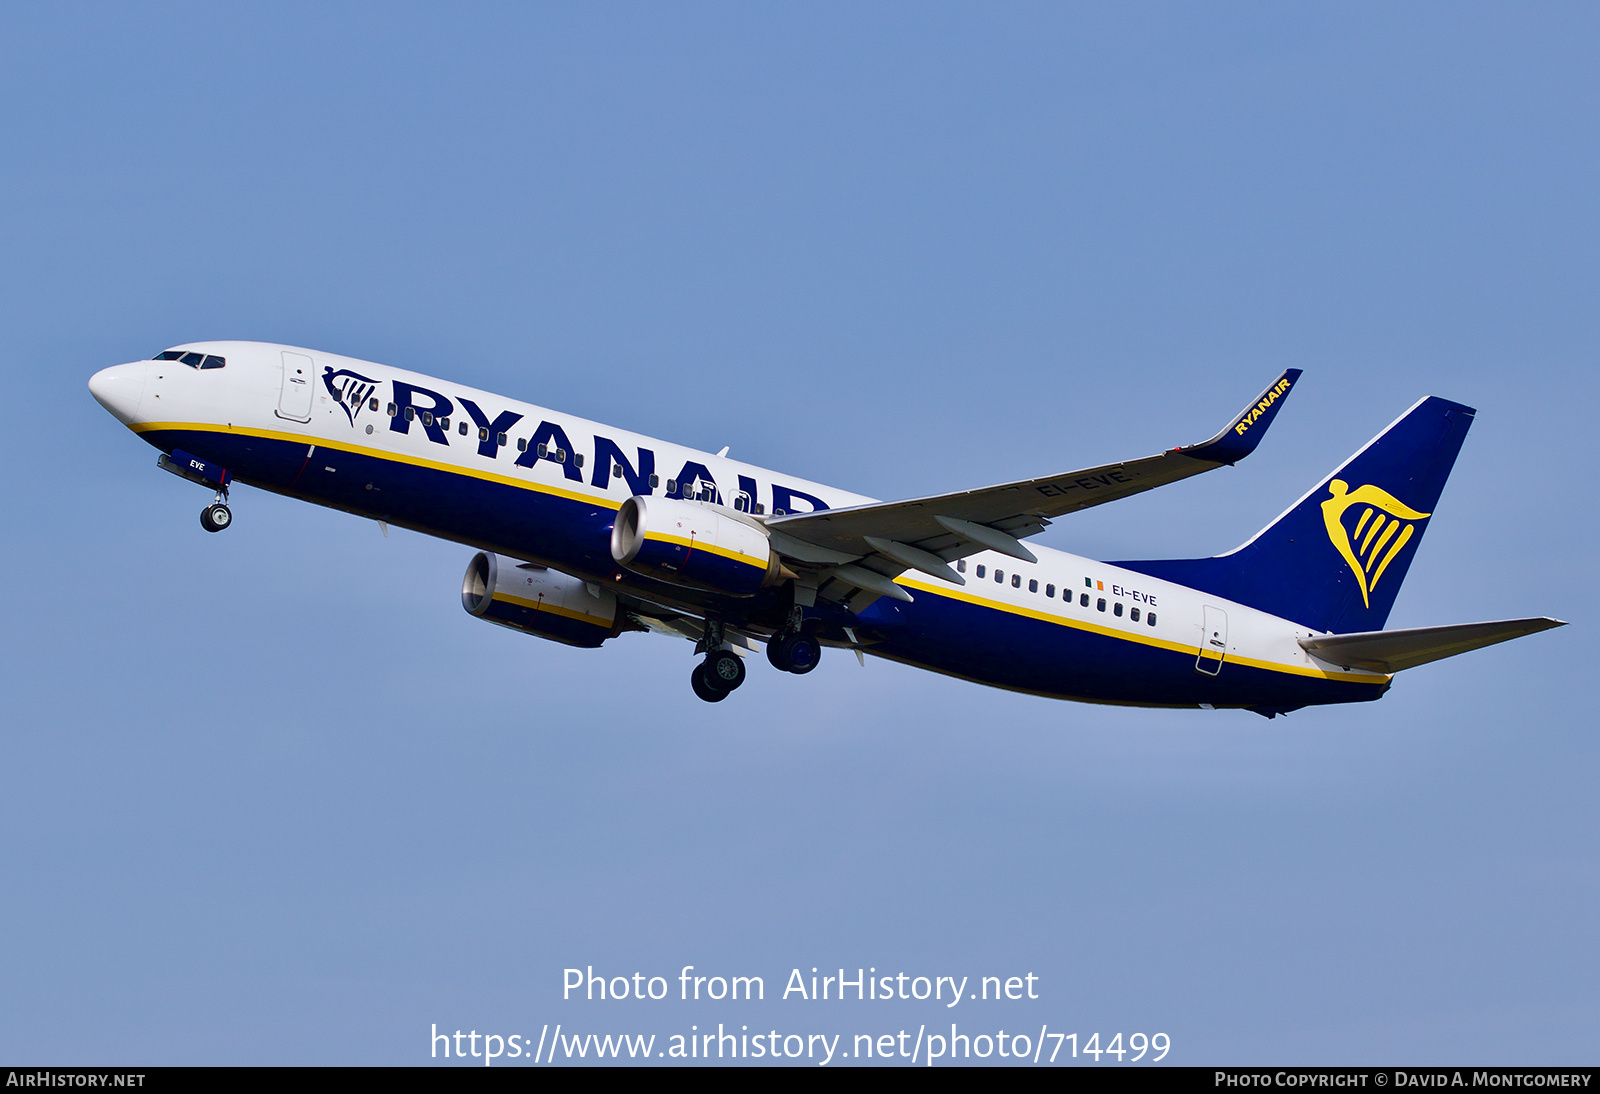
[(1242, 434)]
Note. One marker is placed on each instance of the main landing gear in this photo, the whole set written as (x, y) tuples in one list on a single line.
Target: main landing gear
[(794, 652), (792, 649), (722, 671), (715, 678)]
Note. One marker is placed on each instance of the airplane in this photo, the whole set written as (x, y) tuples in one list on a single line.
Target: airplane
[(584, 531)]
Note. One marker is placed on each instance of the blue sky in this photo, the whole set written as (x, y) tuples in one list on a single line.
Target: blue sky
[(273, 797)]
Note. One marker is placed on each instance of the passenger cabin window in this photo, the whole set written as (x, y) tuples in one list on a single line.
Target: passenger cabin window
[(655, 481), (1100, 605), (501, 440), (373, 405), (616, 471), (461, 428), (1134, 615), (427, 417), (1033, 586), (1050, 591), (411, 413), (483, 433), (1016, 582), (577, 459), (392, 410), (980, 569), (1151, 619), (1116, 609), (1083, 599), (522, 444), (961, 566)]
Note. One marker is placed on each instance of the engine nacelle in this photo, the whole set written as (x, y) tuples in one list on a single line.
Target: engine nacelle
[(538, 601), (690, 544)]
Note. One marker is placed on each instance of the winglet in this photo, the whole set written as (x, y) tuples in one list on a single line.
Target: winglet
[(1242, 435)]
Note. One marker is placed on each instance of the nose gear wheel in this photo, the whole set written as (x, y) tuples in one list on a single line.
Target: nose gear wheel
[(215, 517)]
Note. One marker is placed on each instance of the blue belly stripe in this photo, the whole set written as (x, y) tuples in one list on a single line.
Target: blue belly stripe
[(939, 633)]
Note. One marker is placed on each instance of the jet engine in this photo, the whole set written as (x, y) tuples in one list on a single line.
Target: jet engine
[(536, 600), (690, 544)]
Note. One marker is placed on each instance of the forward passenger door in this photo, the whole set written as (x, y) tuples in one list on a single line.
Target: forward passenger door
[(294, 401)]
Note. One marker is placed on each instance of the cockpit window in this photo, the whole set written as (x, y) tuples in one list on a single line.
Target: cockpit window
[(193, 360)]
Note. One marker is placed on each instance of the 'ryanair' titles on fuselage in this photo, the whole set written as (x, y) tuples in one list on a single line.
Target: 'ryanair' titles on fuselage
[(437, 416)]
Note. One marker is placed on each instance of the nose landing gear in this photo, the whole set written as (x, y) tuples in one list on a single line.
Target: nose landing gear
[(216, 516)]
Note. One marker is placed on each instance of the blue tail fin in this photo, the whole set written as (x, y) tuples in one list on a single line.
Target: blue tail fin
[(1335, 560)]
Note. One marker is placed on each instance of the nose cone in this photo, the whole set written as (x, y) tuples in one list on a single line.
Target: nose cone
[(119, 389)]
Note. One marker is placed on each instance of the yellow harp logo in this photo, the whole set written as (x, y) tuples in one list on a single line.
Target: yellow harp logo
[(1382, 529)]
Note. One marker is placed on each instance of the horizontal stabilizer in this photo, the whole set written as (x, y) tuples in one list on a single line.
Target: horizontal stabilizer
[(1391, 651)]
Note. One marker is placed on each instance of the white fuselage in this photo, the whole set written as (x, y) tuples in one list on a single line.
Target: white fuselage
[(252, 401)]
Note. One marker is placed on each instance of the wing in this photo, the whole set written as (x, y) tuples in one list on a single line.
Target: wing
[(866, 546)]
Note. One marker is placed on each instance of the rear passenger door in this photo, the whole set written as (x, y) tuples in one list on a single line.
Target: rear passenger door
[(1213, 641)]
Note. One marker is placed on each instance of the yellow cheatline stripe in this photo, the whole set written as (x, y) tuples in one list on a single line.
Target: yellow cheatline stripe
[(702, 545), (1141, 639), (381, 454), (451, 468), (553, 609)]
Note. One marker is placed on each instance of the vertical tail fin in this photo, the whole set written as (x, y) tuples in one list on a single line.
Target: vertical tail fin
[(1335, 560)]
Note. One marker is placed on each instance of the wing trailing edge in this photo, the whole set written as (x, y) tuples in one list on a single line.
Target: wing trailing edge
[(869, 545), (1018, 509)]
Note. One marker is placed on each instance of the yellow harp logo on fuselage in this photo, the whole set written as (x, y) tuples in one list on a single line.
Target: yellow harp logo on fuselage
[(1383, 528)]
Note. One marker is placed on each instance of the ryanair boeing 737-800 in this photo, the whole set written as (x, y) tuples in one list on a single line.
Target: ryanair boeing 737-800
[(585, 531)]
